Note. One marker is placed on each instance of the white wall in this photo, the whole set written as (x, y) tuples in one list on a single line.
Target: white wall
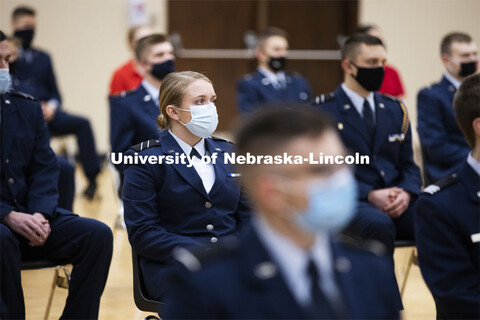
[(413, 31), (87, 41)]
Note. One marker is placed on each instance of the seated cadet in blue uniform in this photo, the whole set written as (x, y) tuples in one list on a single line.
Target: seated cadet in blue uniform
[(33, 74), (290, 264), (133, 114), (444, 148), (167, 206), (447, 221), (270, 83), (32, 226), (66, 178), (376, 125)]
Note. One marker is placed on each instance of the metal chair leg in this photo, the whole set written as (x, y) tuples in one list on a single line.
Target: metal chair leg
[(62, 281), (411, 261)]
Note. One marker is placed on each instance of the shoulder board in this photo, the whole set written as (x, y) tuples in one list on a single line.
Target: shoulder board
[(247, 77), (441, 184), (195, 259), (356, 242), (221, 139), (22, 95), (389, 97), (146, 144), (295, 75), (326, 97), (123, 94)]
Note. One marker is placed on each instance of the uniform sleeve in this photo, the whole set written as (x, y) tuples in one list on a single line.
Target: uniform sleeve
[(122, 131), (445, 262), (410, 179), (42, 172), (247, 98), (5, 209), (243, 213), (51, 83), (433, 134), (363, 190), (145, 233)]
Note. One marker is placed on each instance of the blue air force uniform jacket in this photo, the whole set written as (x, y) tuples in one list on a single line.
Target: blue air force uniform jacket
[(256, 89), (391, 154), (443, 145), (29, 167), (242, 281), (447, 229), (133, 119), (36, 77), (166, 206)]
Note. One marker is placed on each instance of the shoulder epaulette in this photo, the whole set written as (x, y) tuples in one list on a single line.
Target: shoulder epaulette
[(441, 184), (22, 95), (146, 144), (123, 94), (221, 139), (247, 77), (326, 97), (356, 242), (389, 97)]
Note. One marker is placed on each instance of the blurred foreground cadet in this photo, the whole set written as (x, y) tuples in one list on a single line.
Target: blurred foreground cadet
[(290, 263), (443, 145), (33, 227), (448, 221)]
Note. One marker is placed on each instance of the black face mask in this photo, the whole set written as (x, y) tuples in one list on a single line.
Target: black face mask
[(277, 64), (468, 68), (160, 70), (370, 78), (26, 36)]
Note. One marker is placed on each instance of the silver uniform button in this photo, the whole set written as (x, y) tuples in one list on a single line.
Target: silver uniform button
[(382, 173), (213, 239), (11, 181), (208, 205), (209, 227), (7, 161)]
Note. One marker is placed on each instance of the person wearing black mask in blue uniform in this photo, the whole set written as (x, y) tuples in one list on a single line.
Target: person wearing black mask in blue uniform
[(133, 114), (443, 145), (33, 74), (271, 83), (377, 125)]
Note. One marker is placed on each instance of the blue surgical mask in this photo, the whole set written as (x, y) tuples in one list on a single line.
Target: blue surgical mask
[(331, 203), (5, 80), (204, 120)]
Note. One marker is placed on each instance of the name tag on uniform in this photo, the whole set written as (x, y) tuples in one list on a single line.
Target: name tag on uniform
[(396, 137), (234, 175), (475, 237)]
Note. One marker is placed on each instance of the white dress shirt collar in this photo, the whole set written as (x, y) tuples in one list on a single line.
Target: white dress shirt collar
[(151, 90), (456, 83), (200, 146), (274, 78), (292, 260), (473, 163), (358, 100)]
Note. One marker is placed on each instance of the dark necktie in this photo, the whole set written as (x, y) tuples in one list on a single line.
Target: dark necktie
[(368, 119), (319, 307), (194, 153)]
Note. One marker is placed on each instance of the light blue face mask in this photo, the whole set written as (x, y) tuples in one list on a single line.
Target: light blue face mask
[(5, 80), (331, 203), (204, 120)]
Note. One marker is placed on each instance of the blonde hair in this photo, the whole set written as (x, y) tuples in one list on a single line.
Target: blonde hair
[(172, 91)]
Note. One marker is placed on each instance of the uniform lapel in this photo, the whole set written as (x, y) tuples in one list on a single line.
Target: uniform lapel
[(351, 115), (220, 168), (383, 122), (471, 180), (9, 122), (147, 103), (263, 276), (170, 147), (268, 86)]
